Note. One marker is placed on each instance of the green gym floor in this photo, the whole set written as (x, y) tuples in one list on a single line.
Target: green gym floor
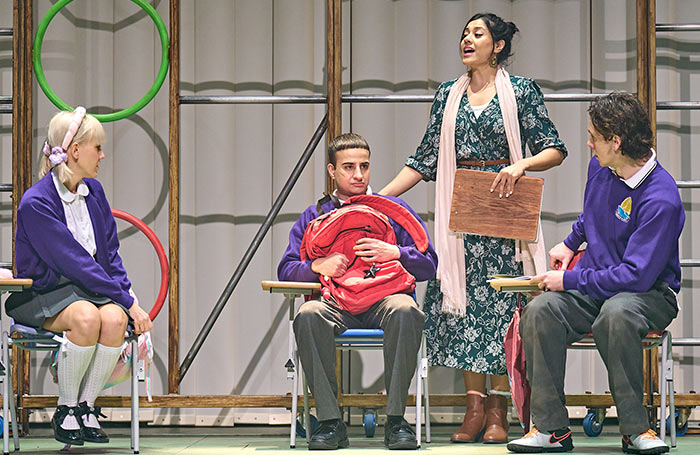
[(275, 439)]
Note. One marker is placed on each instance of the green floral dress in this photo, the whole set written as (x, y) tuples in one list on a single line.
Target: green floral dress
[(475, 342)]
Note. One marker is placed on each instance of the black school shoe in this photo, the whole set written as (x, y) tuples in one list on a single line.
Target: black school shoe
[(399, 435), (72, 437), (91, 434), (330, 435)]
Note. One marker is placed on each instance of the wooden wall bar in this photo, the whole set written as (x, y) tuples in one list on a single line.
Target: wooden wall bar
[(646, 92), (22, 119), (646, 58), (174, 202), (285, 401), (334, 69)]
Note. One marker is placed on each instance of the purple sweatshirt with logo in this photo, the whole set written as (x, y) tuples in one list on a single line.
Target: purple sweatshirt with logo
[(631, 234), (291, 268)]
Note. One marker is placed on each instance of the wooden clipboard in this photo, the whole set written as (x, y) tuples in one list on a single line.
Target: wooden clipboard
[(475, 210)]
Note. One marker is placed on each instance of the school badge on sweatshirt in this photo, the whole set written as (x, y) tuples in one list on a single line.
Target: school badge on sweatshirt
[(624, 210)]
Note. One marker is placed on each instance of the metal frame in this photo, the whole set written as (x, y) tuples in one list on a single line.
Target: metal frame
[(646, 90), (351, 98), (22, 128)]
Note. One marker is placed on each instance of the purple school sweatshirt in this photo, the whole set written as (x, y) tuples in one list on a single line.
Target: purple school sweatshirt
[(45, 249), (631, 234)]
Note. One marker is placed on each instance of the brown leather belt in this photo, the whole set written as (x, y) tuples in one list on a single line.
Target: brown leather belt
[(482, 163)]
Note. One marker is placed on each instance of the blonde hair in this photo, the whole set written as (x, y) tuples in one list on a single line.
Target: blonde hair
[(90, 128)]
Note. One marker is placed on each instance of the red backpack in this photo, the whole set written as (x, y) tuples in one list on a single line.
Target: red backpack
[(363, 284)]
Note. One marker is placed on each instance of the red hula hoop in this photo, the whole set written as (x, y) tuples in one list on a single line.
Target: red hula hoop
[(162, 258)]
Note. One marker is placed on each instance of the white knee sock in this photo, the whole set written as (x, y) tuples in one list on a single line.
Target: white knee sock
[(96, 377), (73, 362)]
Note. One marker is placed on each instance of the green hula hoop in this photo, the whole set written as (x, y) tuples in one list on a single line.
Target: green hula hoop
[(59, 103)]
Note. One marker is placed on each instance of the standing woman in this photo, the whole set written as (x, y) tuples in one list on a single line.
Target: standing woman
[(66, 242), (481, 121)]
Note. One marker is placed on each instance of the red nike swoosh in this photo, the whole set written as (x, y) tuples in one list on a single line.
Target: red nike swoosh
[(553, 439)]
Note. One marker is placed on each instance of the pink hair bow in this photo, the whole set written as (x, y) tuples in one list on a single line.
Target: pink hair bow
[(56, 154)]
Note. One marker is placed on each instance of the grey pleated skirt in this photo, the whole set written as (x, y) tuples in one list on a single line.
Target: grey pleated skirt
[(31, 308)]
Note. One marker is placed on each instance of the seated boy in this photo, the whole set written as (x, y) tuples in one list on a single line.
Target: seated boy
[(624, 286), (318, 321)]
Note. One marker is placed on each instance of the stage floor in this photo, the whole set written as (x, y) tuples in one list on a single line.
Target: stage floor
[(270, 440)]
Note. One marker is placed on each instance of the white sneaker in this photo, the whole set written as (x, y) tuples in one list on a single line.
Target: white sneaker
[(536, 442), (645, 443)]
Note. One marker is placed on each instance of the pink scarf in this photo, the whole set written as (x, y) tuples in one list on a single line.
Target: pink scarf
[(449, 245)]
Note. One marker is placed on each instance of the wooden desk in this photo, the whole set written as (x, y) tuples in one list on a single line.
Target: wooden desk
[(291, 287), (15, 284)]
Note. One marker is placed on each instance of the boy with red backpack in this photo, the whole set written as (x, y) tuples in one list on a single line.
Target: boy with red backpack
[(374, 243)]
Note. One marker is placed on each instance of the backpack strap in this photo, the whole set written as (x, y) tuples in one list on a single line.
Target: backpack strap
[(324, 200), (398, 213)]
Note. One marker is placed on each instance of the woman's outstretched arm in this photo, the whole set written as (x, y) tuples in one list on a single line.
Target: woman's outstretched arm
[(404, 181)]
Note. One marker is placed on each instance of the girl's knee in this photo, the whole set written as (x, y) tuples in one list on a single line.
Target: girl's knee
[(85, 319), (113, 320)]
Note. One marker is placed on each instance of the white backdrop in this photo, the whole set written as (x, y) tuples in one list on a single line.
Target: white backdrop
[(105, 54)]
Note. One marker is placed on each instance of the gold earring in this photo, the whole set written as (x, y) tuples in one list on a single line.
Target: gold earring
[(494, 61)]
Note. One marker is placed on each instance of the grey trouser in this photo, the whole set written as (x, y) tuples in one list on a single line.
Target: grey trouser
[(316, 325), (554, 319)]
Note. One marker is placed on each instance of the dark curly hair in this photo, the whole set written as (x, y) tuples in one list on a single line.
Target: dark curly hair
[(499, 29), (622, 114), (344, 142)]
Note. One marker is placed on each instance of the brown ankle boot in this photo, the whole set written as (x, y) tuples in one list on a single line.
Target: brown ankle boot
[(474, 421), (496, 420)]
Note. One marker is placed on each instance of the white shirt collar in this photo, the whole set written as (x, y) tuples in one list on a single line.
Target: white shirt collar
[(65, 194), (639, 176), (335, 193)]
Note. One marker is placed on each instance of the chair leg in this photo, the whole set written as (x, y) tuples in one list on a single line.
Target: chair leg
[(293, 356), (666, 387), (6, 395), (135, 395), (426, 389), (13, 414), (662, 390), (10, 397), (295, 402), (419, 390), (307, 416), (668, 350)]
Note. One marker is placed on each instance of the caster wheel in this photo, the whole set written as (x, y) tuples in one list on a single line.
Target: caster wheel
[(301, 429), (368, 422), (591, 426), (680, 431)]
